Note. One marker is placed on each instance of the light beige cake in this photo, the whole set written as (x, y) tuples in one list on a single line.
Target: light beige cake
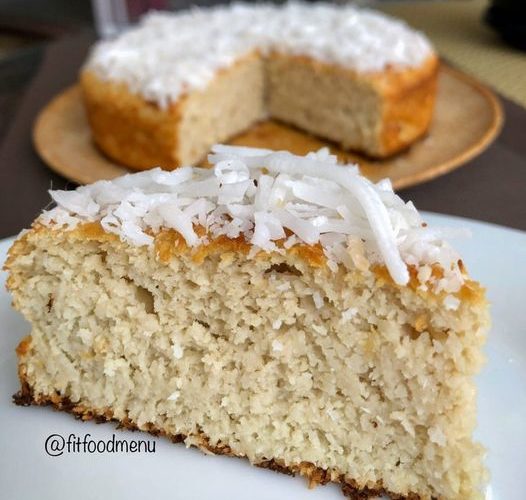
[(164, 92), (274, 307)]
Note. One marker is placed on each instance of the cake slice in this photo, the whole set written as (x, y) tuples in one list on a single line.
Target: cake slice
[(279, 308)]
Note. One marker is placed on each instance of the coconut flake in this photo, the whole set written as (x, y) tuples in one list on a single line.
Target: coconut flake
[(451, 302), (178, 351), (348, 314), (77, 202), (436, 435), (318, 300), (260, 195), (277, 346), (174, 396), (169, 54)]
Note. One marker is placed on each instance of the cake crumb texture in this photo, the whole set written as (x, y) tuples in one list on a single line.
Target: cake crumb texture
[(372, 386)]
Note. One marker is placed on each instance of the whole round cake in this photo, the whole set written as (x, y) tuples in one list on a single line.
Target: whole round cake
[(162, 93)]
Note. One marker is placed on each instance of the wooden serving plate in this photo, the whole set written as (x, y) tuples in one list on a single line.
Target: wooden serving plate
[(467, 118)]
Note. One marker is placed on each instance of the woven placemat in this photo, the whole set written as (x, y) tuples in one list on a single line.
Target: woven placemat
[(459, 34)]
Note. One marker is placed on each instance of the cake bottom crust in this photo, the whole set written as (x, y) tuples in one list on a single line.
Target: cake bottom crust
[(314, 475)]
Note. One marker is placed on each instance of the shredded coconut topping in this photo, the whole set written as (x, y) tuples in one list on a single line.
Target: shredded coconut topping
[(269, 198), (169, 54)]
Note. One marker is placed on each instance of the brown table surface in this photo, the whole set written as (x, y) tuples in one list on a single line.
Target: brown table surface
[(491, 188)]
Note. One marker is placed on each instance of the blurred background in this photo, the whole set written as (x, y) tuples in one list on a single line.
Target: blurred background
[(481, 37), (44, 42), (485, 38)]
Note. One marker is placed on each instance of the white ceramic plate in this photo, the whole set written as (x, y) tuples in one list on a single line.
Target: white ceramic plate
[(496, 256)]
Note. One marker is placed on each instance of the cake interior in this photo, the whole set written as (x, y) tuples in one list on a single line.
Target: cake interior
[(324, 101), (232, 102), (276, 357), (312, 96)]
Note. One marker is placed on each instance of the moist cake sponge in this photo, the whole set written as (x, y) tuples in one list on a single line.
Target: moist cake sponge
[(341, 348)]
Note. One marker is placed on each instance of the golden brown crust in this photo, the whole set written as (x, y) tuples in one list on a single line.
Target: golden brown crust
[(408, 107), (169, 243), (470, 291), (141, 135), (129, 129), (314, 475), (23, 347)]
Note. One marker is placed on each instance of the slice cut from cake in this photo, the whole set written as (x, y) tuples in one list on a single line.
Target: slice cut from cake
[(164, 92), (279, 308)]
